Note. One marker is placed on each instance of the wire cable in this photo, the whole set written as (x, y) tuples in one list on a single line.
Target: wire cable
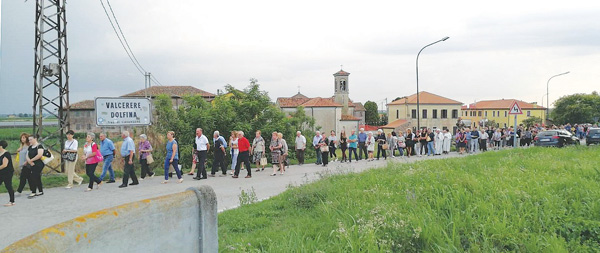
[(123, 35)]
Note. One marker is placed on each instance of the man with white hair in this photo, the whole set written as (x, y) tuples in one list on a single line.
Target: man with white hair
[(201, 146), (128, 152), (219, 154), (243, 156), (317, 147), (300, 147), (362, 147)]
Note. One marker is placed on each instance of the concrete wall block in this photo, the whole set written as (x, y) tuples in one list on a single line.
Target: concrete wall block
[(163, 224)]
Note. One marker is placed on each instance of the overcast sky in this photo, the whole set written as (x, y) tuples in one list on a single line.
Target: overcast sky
[(508, 49)]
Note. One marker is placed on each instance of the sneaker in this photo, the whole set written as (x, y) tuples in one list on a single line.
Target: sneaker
[(88, 189), (69, 187), (151, 176), (80, 181), (213, 175), (39, 194), (98, 185), (9, 204), (180, 181), (31, 196)]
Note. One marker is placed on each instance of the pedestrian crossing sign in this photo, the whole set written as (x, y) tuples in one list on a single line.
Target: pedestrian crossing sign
[(515, 109)]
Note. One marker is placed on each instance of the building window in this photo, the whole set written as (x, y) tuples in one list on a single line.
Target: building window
[(528, 113), (444, 114), (505, 113), (486, 114), (424, 113), (78, 127), (454, 114), (498, 113), (414, 114), (494, 113), (479, 114), (397, 114), (434, 114)]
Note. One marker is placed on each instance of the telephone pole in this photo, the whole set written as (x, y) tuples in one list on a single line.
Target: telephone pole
[(51, 73)]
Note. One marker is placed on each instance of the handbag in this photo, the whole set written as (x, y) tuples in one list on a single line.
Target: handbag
[(263, 160), (99, 157), (324, 148), (402, 145), (149, 159), (69, 156), (428, 138), (385, 146), (47, 159)]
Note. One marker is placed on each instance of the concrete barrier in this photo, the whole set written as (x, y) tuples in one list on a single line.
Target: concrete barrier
[(182, 222)]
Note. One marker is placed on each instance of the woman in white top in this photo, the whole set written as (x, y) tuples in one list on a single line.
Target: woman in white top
[(70, 159), (233, 143), (370, 145)]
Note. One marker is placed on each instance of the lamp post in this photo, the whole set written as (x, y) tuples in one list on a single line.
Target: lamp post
[(418, 112), (547, 92)]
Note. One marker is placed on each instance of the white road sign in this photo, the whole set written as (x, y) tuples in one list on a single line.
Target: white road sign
[(123, 111), (515, 109)]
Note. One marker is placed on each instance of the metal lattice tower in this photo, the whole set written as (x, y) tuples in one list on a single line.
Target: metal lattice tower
[(51, 73)]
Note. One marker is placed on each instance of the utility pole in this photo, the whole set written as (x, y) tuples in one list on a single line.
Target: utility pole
[(51, 73)]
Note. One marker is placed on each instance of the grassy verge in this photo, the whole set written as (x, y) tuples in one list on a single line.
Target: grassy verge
[(535, 199)]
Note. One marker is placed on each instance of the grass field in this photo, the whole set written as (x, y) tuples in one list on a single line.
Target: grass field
[(535, 200)]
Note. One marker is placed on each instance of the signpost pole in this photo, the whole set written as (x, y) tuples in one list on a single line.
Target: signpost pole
[(515, 131)]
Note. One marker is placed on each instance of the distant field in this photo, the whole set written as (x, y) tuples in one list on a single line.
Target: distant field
[(525, 200), (11, 135)]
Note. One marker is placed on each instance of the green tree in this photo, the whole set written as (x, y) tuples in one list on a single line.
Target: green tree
[(371, 113), (532, 121), (576, 108)]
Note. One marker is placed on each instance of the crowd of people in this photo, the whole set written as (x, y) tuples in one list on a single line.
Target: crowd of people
[(360, 146)]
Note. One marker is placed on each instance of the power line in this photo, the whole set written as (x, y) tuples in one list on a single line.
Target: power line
[(123, 35)]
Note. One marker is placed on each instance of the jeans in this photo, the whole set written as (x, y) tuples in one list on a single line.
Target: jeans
[(362, 148), (319, 158), (401, 150), (430, 148), (243, 157), (332, 152), (474, 145), (234, 159), (350, 151), (300, 156), (108, 166), (201, 161), (129, 172), (89, 171), (219, 161), (175, 167)]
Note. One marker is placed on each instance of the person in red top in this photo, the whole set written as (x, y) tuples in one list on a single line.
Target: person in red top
[(243, 156)]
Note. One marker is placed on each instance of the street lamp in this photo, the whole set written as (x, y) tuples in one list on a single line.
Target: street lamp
[(547, 92), (418, 109)]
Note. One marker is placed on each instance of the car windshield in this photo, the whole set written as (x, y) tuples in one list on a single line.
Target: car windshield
[(594, 131), (548, 133)]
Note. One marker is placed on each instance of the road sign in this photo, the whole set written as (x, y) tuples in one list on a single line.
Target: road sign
[(515, 109), (123, 111)]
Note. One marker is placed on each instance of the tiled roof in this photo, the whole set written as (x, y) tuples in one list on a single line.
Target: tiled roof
[(321, 102), (425, 98), (501, 104), (395, 124), (359, 107), (299, 95), (83, 105), (173, 91), (349, 118), (368, 127), (301, 100), (341, 73), (291, 102)]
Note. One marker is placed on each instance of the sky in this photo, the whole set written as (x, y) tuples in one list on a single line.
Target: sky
[(506, 49)]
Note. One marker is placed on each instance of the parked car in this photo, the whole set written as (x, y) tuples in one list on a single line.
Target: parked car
[(555, 138), (593, 136)]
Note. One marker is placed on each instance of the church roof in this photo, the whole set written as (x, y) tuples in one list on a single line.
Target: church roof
[(301, 100), (425, 98), (503, 104), (321, 102), (341, 73), (358, 106), (299, 95)]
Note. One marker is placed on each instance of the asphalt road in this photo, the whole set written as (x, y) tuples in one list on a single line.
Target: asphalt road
[(59, 204)]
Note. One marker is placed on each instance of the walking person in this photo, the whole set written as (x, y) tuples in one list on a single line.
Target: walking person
[(201, 146), (275, 148), (233, 144), (333, 141), (380, 142), (284, 152), (362, 144), (34, 159), (219, 152), (258, 151), (343, 145), (243, 156), (6, 172), (410, 142), (107, 150), (90, 155), (300, 147), (324, 146), (172, 157), (145, 150), (69, 157), (24, 169), (370, 146), (317, 147), (352, 145), (127, 153)]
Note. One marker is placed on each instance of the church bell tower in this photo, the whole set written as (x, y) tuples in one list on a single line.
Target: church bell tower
[(341, 89)]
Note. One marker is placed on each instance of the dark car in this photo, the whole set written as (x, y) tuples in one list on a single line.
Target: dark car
[(555, 138), (593, 136)]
